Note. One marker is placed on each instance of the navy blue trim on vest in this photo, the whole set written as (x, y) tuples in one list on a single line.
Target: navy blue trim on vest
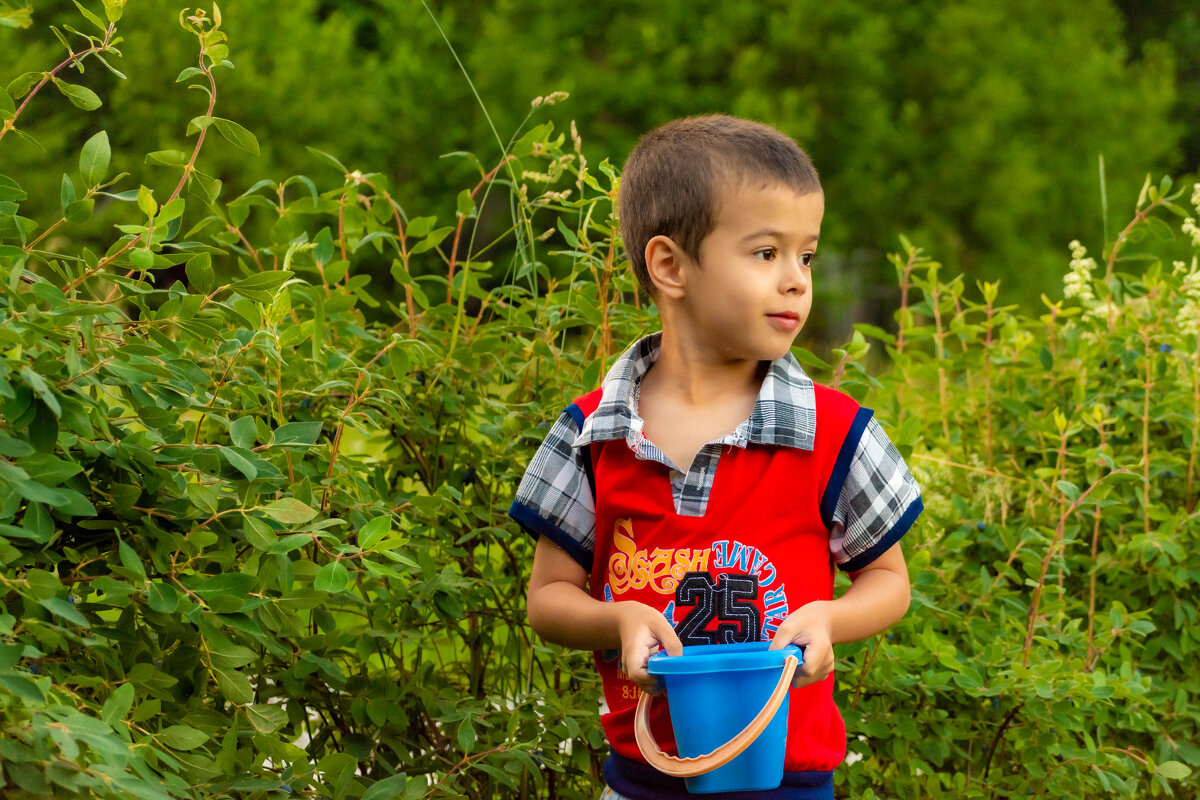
[(576, 414), (536, 526), (890, 538), (639, 781), (841, 467)]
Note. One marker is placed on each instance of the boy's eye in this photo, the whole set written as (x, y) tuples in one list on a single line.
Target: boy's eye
[(767, 254), (807, 259)]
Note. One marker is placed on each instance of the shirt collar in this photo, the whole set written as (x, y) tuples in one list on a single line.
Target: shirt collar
[(784, 414)]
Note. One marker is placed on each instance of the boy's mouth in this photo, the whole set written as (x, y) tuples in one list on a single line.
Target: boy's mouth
[(786, 320)]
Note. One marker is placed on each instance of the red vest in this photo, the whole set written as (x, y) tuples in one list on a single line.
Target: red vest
[(759, 552)]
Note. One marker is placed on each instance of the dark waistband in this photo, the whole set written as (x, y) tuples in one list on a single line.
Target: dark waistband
[(639, 781)]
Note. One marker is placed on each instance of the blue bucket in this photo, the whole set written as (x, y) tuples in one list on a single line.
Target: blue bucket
[(721, 697)]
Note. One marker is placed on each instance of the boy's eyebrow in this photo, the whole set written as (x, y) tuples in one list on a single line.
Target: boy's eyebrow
[(772, 232)]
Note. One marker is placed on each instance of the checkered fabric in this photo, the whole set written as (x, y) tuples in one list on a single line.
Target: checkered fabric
[(879, 496), (555, 496)]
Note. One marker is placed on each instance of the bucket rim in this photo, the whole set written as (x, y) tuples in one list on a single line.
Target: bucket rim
[(707, 658)]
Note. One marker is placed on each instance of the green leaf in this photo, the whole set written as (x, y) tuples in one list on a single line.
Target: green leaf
[(110, 67), (197, 124), (10, 190), (22, 687), (19, 87), (81, 96), (297, 433), (64, 609), (568, 234), (242, 432), (466, 735), (118, 705), (168, 158), (129, 559), (79, 212), (235, 584), (92, 18), (373, 531), (266, 718), (259, 534), (19, 17), (14, 448), (62, 39), (289, 511), (204, 497), (420, 226), (172, 210), (189, 72), (146, 201), (234, 685), (182, 737), (387, 789), (162, 597), (465, 205), (333, 578), (200, 273), (431, 241), (1173, 770), (808, 359), (327, 159), (66, 194), (35, 381), (239, 462), (262, 282), (141, 258), (25, 138), (236, 134), (1069, 489)]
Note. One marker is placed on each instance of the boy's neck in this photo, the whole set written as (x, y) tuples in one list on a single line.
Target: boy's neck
[(693, 376)]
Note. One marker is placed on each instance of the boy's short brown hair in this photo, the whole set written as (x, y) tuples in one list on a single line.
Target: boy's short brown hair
[(671, 178)]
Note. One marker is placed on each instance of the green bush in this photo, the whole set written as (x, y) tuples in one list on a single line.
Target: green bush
[(253, 544), (961, 123)]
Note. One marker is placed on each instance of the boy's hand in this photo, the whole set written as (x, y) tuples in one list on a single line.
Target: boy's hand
[(810, 627), (643, 633)]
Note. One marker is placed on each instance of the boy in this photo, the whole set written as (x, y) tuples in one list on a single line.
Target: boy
[(704, 493)]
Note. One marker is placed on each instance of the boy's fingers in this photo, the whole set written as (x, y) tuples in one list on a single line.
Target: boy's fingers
[(648, 684), (635, 668), (818, 663), (669, 639)]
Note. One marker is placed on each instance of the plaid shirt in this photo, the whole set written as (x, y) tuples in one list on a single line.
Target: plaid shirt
[(878, 501)]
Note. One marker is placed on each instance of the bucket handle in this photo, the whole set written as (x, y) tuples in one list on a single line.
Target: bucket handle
[(692, 766)]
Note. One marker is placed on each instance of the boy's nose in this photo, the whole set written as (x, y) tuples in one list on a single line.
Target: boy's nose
[(795, 276)]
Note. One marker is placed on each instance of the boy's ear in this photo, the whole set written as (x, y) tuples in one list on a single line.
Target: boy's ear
[(665, 261)]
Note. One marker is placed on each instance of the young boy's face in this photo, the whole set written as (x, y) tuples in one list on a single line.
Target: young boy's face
[(751, 292)]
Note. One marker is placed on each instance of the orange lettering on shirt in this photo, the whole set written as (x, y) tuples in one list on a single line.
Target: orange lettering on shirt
[(661, 570)]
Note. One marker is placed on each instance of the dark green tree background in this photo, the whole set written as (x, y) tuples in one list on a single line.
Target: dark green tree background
[(976, 127)]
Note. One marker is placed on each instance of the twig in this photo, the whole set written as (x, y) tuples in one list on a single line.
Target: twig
[(987, 764)]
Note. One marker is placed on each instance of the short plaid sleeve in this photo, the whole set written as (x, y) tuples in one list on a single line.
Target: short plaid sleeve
[(873, 497), (555, 498)]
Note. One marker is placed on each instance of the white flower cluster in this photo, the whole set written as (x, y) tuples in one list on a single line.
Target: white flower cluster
[(1078, 282), (1189, 229), (1196, 195), (1188, 318)]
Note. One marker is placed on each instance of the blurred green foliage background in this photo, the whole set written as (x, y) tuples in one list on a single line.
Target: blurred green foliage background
[(975, 127), (229, 581)]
